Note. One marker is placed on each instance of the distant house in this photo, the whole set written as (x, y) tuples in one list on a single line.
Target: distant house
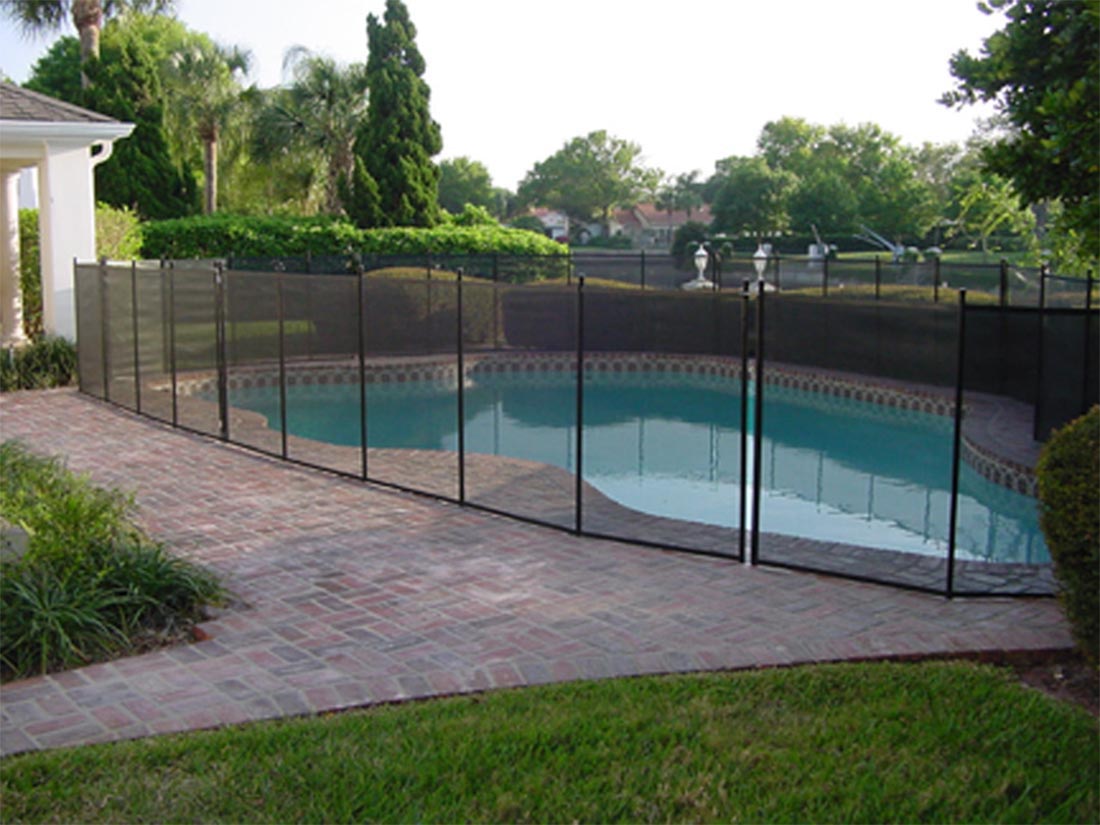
[(651, 228), (556, 223), (56, 139)]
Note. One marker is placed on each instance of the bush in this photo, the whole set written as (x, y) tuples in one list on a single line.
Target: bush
[(241, 236), (90, 585), (30, 273), (1069, 502), (44, 363)]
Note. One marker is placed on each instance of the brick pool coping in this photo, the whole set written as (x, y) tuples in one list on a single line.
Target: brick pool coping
[(348, 595)]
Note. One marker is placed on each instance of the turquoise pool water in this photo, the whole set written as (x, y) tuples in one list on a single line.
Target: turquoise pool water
[(832, 469)]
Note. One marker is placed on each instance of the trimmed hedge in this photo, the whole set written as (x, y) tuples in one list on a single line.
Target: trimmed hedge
[(1069, 501), (216, 236)]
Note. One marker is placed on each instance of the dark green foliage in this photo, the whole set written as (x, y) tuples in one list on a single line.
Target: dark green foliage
[(91, 585), (44, 363), (30, 272), (1042, 70), (529, 222), (463, 181), (398, 138), (1069, 500), (686, 239), (126, 86), (270, 237)]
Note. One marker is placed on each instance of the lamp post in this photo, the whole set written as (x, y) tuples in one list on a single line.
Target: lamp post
[(699, 281)]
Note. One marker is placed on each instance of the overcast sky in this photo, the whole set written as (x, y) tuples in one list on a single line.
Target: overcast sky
[(691, 81)]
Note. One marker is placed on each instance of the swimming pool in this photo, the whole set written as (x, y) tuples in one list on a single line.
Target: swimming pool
[(833, 469)]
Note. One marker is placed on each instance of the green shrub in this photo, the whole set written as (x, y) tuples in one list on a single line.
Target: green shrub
[(30, 273), (91, 584), (46, 362), (117, 233), (1069, 501), (270, 237)]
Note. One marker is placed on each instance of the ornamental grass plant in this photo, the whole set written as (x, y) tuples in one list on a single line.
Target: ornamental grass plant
[(90, 585)]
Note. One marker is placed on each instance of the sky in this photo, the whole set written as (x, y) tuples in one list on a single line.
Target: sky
[(691, 81)]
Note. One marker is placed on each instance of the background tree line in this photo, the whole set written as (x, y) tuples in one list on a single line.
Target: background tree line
[(359, 140)]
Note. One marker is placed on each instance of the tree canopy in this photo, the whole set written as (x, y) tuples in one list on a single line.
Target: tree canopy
[(1042, 73), (590, 177), (395, 182), (125, 84)]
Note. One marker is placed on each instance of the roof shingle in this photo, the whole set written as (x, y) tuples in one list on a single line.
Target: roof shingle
[(19, 104)]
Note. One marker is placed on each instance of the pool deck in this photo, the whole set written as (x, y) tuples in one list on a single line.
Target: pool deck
[(349, 594)]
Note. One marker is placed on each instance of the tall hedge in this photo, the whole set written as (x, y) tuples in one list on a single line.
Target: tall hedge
[(1069, 500), (221, 235)]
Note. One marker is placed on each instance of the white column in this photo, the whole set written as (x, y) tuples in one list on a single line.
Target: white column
[(66, 221), (11, 296)]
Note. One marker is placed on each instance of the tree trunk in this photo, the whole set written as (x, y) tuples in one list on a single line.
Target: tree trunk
[(210, 172), (88, 19)]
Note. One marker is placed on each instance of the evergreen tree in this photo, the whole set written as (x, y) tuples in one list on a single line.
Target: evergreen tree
[(397, 140), (125, 85)]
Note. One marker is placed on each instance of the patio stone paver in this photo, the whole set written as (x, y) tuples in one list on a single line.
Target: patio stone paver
[(349, 594)]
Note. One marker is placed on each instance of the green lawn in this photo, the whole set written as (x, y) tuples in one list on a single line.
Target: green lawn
[(834, 743)]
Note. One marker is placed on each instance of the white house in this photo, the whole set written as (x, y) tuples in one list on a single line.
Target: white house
[(57, 139)]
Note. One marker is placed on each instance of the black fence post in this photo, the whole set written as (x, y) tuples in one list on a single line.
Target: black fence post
[(579, 479), (361, 308), (172, 343), (878, 276), (1040, 346), (220, 351), (1086, 361), (936, 281), (1003, 289), (744, 503), (461, 390), (105, 322), (280, 312), (758, 423), (956, 447), (825, 277), (134, 324), (642, 278)]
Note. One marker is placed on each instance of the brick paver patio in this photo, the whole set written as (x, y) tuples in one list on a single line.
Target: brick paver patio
[(349, 594)]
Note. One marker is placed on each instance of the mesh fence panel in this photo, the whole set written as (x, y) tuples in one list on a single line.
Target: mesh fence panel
[(519, 399), (856, 453), (662, 417), (154, 344), (90, 327), (1065, 292), (119, 327), (999, 546), (194, 316), (1068, 368), (252, 358), (411, 338), (320, 325)]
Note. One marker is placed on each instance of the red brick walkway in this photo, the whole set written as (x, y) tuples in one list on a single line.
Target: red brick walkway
[(349, 594)]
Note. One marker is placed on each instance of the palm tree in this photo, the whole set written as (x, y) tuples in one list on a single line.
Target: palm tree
[(40, 16), (205, 84), (319, 111)]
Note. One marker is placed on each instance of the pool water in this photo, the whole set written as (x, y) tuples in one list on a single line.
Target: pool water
[(832, 469)]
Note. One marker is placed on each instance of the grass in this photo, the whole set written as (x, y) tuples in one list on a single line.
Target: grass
[(91, 585), (894, 292), (831, 743)]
